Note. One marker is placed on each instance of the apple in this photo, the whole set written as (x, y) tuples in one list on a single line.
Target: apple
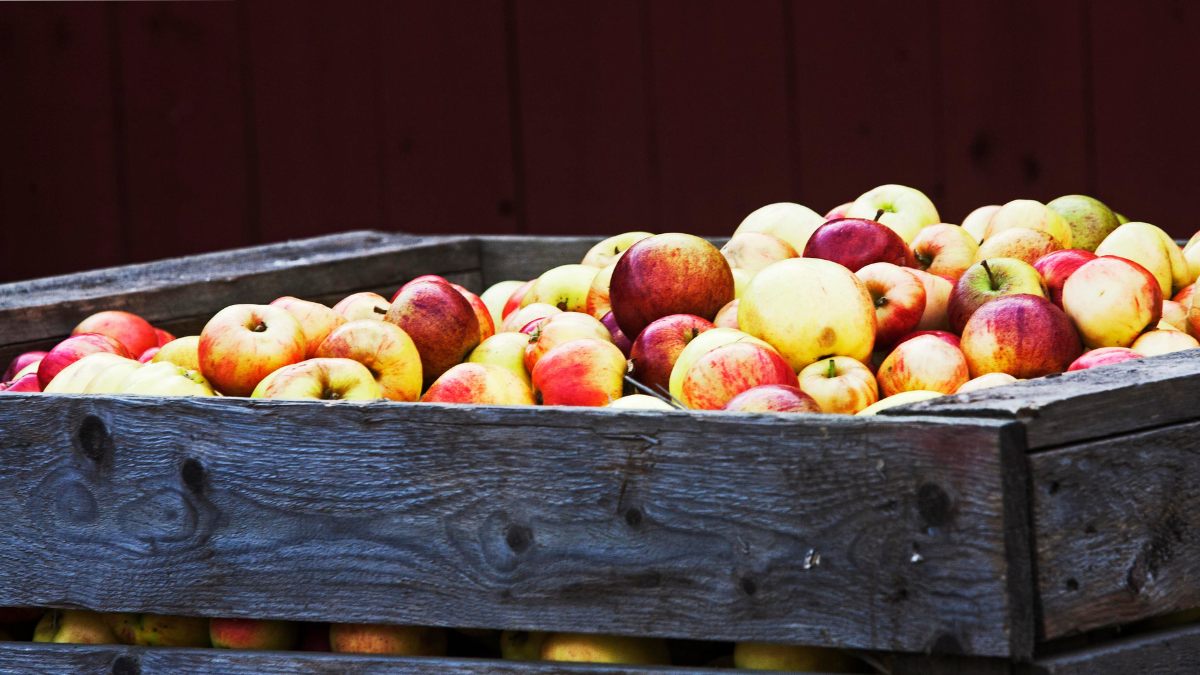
[(1089, 219), (132, 331), (641, 402), (506, 350), (937, 301), (253, 634), (752, 251), (727, 316), (906, 210), (741, 279), (496, 296), (946, 336), (21, 362), (184, 351), (839, 211), (598, 303), (986, 381), (321, 379), (1112, 301), (766, 656), (1020, 243), (780, 398), (655, 350), (1104, 356), (1191, 255), (925, 362), (700, 345), (1056, 267), (441, 323), (669, 274), (25, 384), (316, 320), (1184, 296), (486, 328), (525, 315), (560, 329), (242, 344), (839, 384), (987, 280), (1176, 315), (944, 249), (585, 372), (857, 242), (156, 630), (163, 336), (1153, 249), (75, 378), (790, 222), (565, 287), (1023, 335), (619, 338), (166, 379), (33, 368), (365, 305), (898, 297), (74, 348), (365, 638), (717, 376), (903, 398), (388, 353), (606, 252), (977, 221), (1155, 342), (73, 626), (112, 379), (481, 383), (517, 299), (522, 645), (1030, 215), (580, 647), (148, 355), (808, 309)]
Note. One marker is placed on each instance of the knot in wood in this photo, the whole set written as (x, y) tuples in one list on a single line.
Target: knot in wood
[(192, 474), (126, 665), (94, 440), (518, 537), (933, 504)]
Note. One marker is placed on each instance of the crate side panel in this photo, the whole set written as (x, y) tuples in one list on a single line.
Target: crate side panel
[(868, 534), (1170, 652)]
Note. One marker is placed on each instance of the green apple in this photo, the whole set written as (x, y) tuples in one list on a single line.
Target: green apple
[(1090, 220), (906, 210)]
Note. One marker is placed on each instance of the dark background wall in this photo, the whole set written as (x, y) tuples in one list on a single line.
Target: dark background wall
[(136, 131)]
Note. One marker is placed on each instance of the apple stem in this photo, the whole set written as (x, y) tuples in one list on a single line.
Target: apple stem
[(991, 279), (879, 214), (259, 327), (379, 310), (832, 372)]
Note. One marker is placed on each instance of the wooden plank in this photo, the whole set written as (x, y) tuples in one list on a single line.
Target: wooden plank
[(719, 91), (871, 534), (185, 135), (122, 660), (851, 134), (195, 287), (1117, 524), (447, 136), (585, 128), (1085, 404), (318, 122), (59, 178), (1015, 123), (1141, 166), (1171, 652)]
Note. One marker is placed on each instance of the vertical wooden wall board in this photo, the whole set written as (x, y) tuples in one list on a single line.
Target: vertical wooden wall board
[(59, 186), (185, 136)]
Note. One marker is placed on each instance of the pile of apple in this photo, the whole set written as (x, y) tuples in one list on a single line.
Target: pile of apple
[(875, 304)]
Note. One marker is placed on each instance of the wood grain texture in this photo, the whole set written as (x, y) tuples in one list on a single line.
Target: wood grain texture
[(1171, 652), (585, 118), (59, 184), (871, 534), (185, 135), (1117, 526), (1086, 404)]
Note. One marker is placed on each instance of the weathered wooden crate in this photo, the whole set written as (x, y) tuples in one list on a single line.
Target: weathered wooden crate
[(968, 534)]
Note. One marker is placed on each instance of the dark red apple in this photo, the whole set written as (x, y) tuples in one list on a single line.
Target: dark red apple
[(132, 331), (25, 383), (1104, 356), (1056, 266), (1023, 335), (657, 347), (18, 364), (668, 274), (773, 398), (441, 323), (619, 338), (74, 348), (855, 243)]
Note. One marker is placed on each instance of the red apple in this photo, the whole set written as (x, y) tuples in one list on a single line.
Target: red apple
[(987, 280), (242, 344), (253, 634), (163, 336), (20, 363), (316, 320), (924, 362), (132, 331), (654, 350), (723, 373), (773, 398), (1104, 356), (560, 329), (1057, 266), (1023, 335), (441, 323), (584, 372), (619, 338), (857, 242), (514, 300), (480, 383), (364, 638), (944, 249), (23, 384), (486, 328), (948, 337), (898, 297), (385, 349), (74, 348), (149, 354), (1112, 301), (669, 274)]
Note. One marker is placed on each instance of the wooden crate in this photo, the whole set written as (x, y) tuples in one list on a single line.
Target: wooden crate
[(967, 534)]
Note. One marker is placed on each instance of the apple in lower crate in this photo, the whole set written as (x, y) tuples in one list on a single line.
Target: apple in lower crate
[(496, 296), (160, 630), (1089, 219), (506, 350), (655, 350), (1176, 315), (561, 329), (132, 331), (986, 281), (479, 383), (242, 344), (700, 345), (986, 381), (316, 320), (808, 309), (1153, 249), (73, 626), (1155, 342), (857, 242), (184, 351), (1021, 243), (253, 634), (21, 362), (523, 316), (1031, 215), (74, 348), (977, 221), (586, 372), (25, 384), (925, 362), (322, 379), (839, 384), (899, 300), (945, 250), (441, 323), (587, 648), (1104, 356), (752, 251), (668, 274), (75, 378), (718, 376), (522, 645), (780, 398), (364, 305), (385, 349), (906, 210), (1112, 301), (606, 252), (790, 222), (937, 301), (1058, 266), (727, 316), (640, 402), (799, 658), (903, 398), (367, 638), (598, 302), (1022, 335), (565, 287)]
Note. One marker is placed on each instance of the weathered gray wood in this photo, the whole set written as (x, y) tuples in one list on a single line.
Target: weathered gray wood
[(1117, 525), (922, 664), (873, 534), (1170, 652), (1086, 404), (526, 257)]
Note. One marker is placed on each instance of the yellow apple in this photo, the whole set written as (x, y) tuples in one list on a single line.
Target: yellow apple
[(521, 317), (73, 626), (799, 658), (496, 296), (598, 303), (606, 252), (565, 287), (977, 221), (1176, 315), (986, 381), (1032, 215), (167, 379), (790, 222), (700, 345), (316, 320), (385, 349), (752, 251), (480, 383), (580, 647), (184, 351), (1152, 248), (1155, 342), (112, 379), (741, 279), (506, 350), (1021, 243), (324, 379), (906, 210), (903, 398), (75, 378), (1112, 301), (365, 305), (839, 384), (365, 638)]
